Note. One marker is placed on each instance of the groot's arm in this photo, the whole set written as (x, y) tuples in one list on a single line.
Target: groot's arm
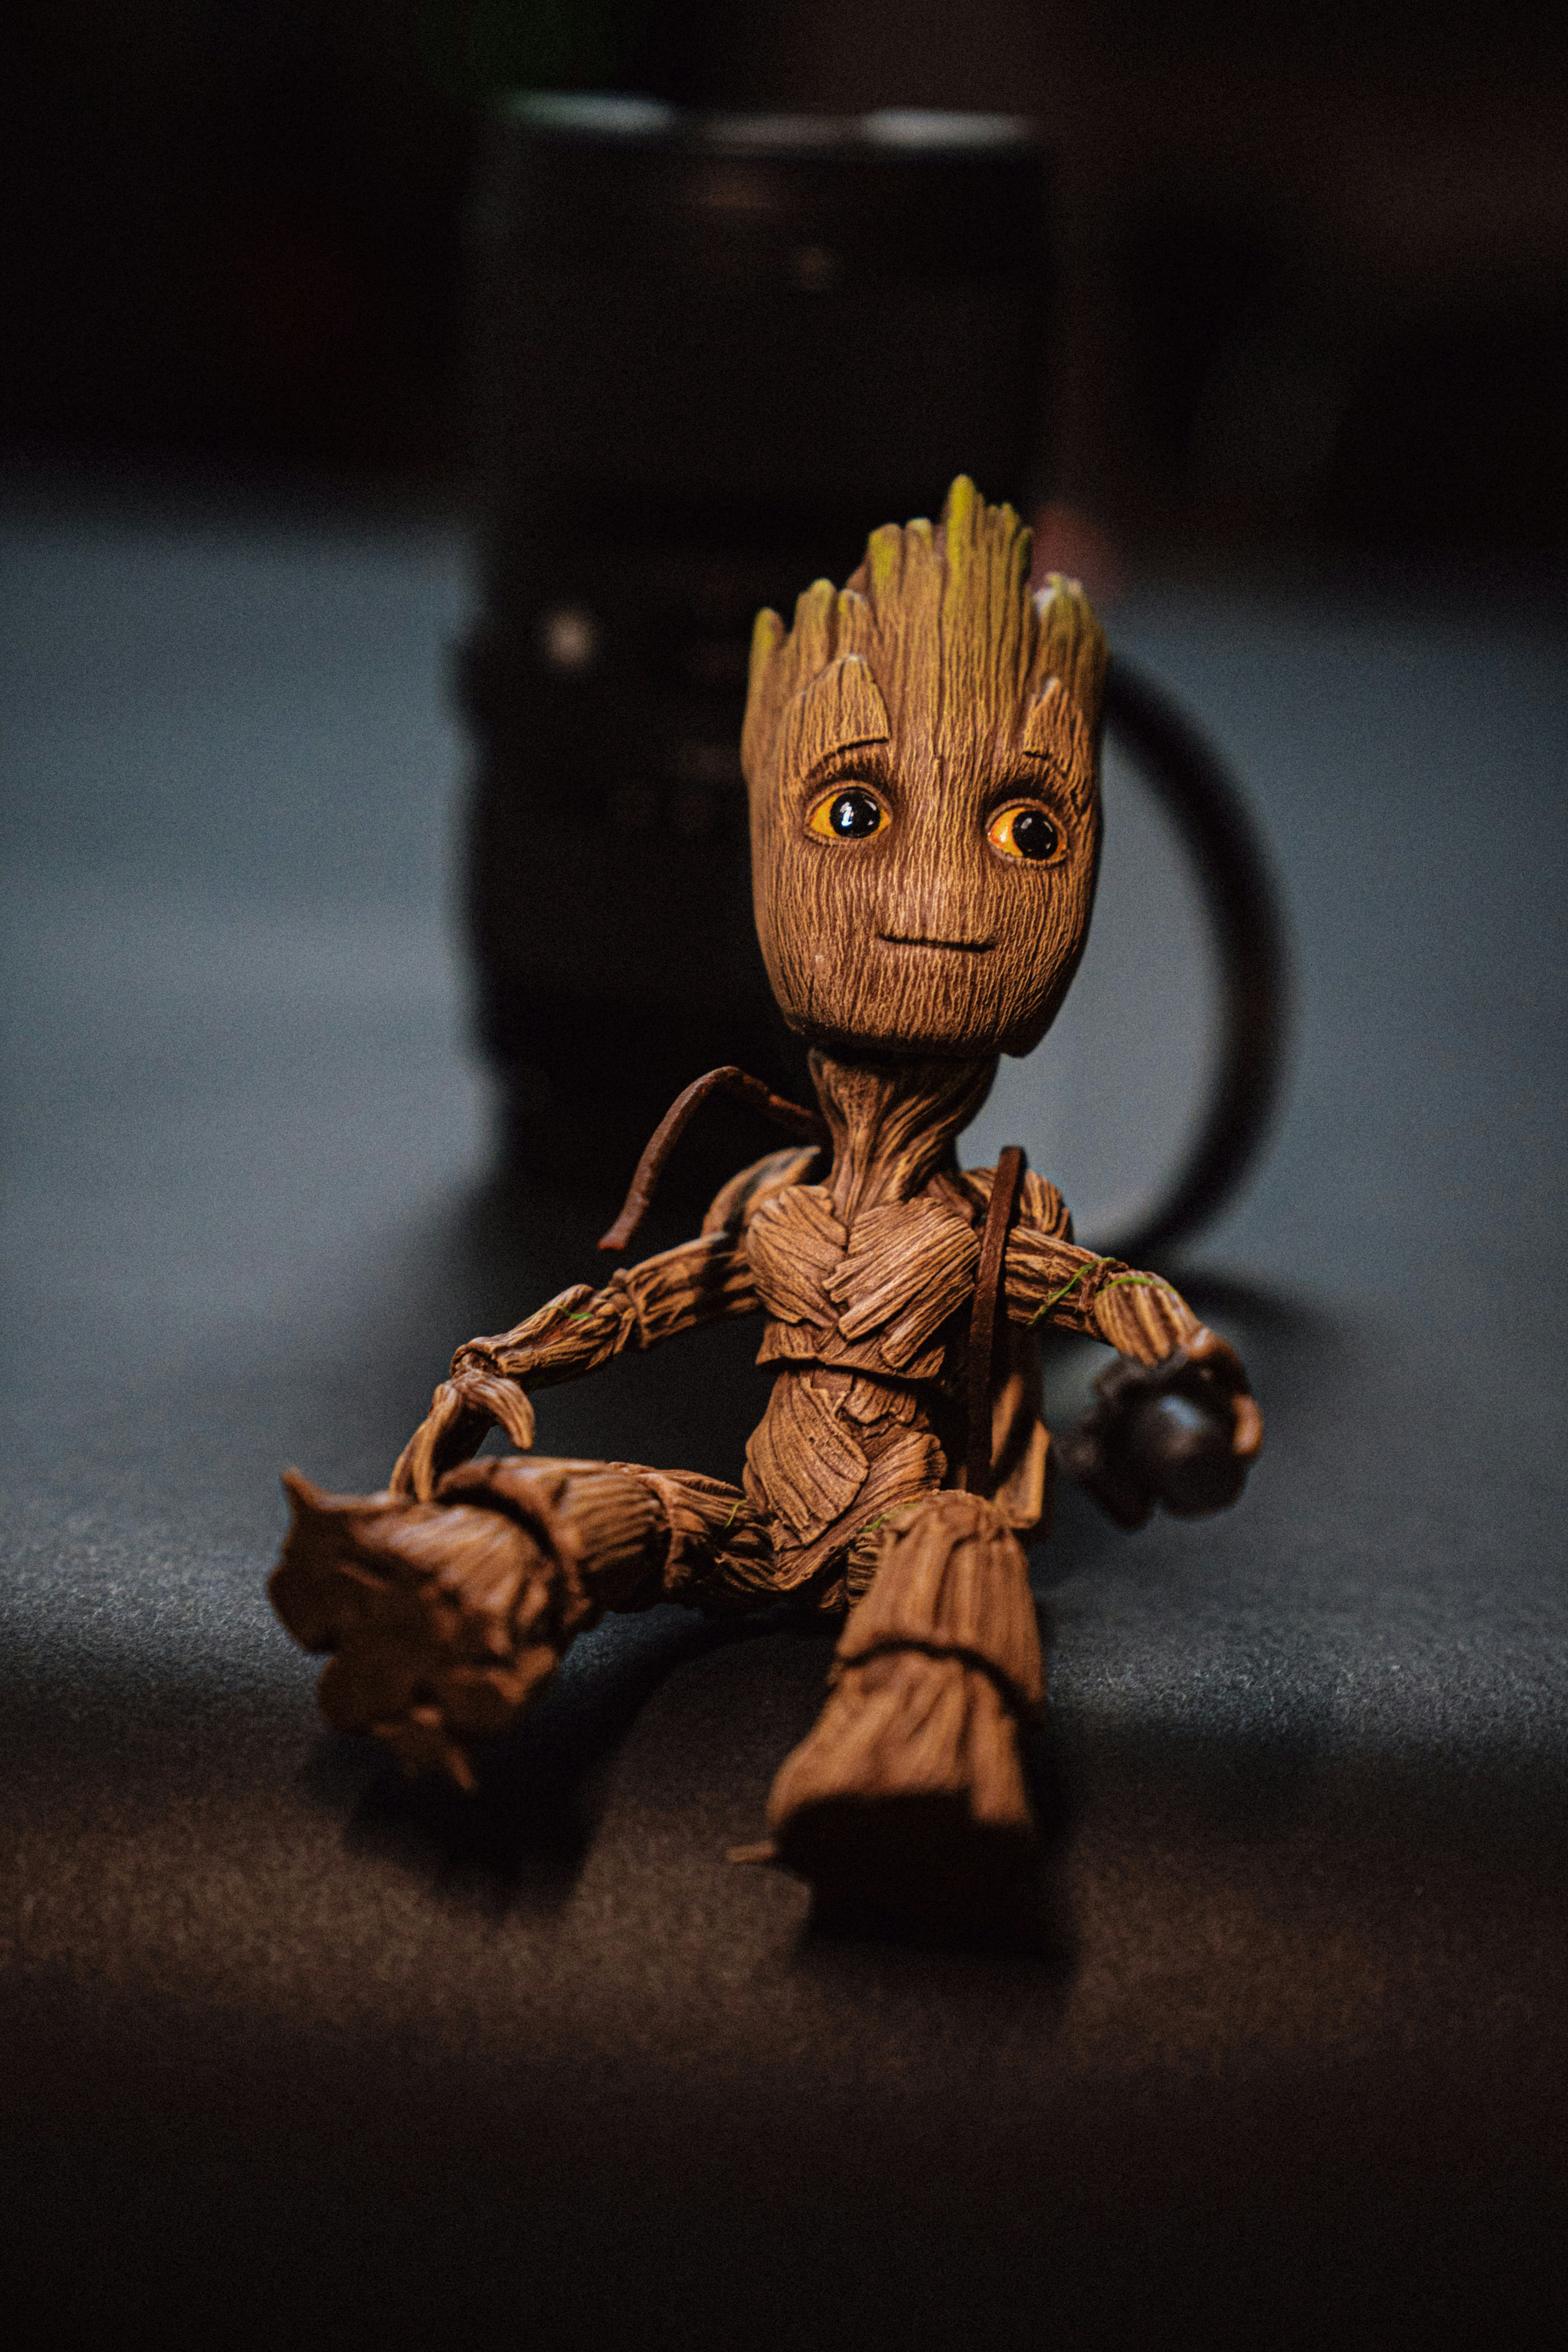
[(703, 1281), (1051, 1280), (1176, 1422)]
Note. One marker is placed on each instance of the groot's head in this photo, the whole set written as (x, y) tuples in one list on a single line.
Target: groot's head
[(921, 755)]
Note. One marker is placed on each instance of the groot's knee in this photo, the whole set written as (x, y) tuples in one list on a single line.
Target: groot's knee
[(445, 1617), (952, 1581), (909, 1793)]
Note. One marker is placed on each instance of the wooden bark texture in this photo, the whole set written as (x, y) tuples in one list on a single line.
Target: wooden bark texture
[(909, 1800), (866, 1279), (954, 1580), (988, 1304), (445, 1617), (934, 680), (909, 1793)]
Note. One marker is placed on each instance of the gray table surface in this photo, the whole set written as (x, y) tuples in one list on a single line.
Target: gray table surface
[(297, 2054)]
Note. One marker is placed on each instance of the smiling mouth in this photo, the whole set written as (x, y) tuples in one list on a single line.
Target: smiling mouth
[(953, 947)]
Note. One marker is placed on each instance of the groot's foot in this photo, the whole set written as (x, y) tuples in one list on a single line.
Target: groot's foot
[(908, 1798), (444, 1618)]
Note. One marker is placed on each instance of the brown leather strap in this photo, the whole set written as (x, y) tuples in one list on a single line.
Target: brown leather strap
[(1005, 1190), (730, 1080)]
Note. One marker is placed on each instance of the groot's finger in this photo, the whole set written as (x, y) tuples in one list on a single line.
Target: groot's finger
[(1218, 1356), (1247, 1434), (405, 1477), (504, 1401), (449, 1433)]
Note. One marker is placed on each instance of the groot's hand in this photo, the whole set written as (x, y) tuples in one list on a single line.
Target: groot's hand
[(462, 1412), (1183, 1433)]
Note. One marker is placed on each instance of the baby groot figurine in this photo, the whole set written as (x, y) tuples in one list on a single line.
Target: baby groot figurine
[(921, 751)]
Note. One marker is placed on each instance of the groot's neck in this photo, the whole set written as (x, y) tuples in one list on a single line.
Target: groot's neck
[(893, 1122)]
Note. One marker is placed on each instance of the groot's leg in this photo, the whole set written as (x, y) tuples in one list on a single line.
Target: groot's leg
[(908, 1794), (445, 1617)]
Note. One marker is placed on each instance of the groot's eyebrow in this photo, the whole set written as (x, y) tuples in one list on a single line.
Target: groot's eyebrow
[(1054, 730), (847, 760), (841, 710)]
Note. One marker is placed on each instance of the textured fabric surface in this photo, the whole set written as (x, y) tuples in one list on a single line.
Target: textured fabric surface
[(297, 2054)]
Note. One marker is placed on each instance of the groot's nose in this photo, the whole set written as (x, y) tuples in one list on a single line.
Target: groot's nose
[(935, 889)]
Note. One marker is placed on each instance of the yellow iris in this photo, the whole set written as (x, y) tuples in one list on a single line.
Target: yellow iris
[(1025, 833), (848, 812)]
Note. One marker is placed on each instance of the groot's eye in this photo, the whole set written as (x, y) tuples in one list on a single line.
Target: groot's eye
[(851, 814), (1025, 833)]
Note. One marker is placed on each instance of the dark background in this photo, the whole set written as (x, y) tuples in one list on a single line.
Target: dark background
[(1314, 258), (296, 2054)]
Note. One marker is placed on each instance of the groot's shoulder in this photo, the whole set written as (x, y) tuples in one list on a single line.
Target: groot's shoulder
[(1041, 1208), (734, 1207)]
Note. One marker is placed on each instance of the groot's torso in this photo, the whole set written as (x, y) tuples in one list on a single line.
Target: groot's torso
[(867, 1287)]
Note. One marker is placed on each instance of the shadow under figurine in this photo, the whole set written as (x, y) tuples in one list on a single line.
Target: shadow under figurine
[(921, 751)]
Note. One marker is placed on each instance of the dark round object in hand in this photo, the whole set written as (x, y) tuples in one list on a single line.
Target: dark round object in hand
[(1182, 1450), (854, 814), (1034, 834)]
